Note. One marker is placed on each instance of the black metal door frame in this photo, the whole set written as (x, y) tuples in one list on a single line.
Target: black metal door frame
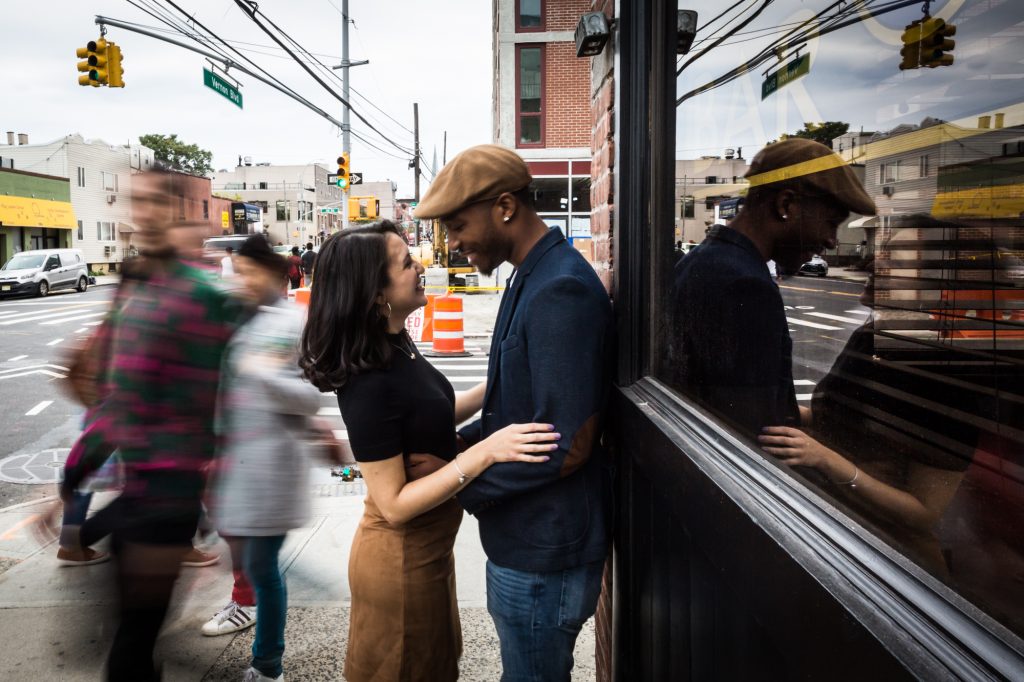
[(725, 566)]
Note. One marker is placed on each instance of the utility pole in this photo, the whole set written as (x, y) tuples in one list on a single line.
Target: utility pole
[(346, 142), (416, 146), (444, 151)]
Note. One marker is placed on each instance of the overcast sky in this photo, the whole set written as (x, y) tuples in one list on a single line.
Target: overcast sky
[(854, 75), (435, 53)]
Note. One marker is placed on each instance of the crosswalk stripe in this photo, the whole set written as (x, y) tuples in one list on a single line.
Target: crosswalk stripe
[(341, 434), (804, 396), (837, 318), (76, 317), (39, 408), (334, 411), (803, 382), (63, 310), (813, 325), (860, 312), (44, 316), (54, 342), (460, 367), (17, 357)]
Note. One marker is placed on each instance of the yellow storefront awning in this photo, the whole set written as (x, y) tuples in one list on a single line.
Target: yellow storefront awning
[(27, 212)]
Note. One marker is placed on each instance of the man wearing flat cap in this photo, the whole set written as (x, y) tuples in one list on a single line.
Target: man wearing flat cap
[(544, 526), (730, 346)]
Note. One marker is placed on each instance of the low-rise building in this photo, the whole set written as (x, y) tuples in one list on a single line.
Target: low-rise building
[(35, 212), (99, 177)]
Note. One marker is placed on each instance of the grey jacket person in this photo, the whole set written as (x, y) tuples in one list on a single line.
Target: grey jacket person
[(262, 480)]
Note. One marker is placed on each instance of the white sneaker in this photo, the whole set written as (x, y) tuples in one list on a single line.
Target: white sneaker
[(254, 675), (231, 618)]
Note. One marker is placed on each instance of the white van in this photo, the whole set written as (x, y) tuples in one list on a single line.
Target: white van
[(42, 271)]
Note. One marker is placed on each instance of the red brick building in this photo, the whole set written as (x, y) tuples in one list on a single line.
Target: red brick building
[(541, 106)]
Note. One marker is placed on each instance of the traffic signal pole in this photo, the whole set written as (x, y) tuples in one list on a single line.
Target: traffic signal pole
[(416, 146), (346, 141)]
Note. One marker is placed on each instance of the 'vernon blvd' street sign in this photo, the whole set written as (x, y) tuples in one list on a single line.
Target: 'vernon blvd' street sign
[(215, 82), (786, 75)]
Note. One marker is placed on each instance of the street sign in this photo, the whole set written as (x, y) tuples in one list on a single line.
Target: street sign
[(786, 75), (332, 178), (356, 178), (221, 86)]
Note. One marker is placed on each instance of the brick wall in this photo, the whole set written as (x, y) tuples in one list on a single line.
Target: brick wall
[(602, 226), (563, 15), (567, 96)]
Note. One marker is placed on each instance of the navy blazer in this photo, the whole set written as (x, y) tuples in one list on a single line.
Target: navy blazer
[(730, 347), (551, 361)]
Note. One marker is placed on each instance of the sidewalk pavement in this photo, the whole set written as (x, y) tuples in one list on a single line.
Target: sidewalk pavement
[(56, 622)]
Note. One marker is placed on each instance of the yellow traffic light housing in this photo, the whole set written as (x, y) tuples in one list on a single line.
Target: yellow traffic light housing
[(101, 64), (94, 64), (911, 50), (115, 72), (936, 43), (344, 169)]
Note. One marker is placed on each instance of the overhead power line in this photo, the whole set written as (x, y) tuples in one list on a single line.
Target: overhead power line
[(252, 10)]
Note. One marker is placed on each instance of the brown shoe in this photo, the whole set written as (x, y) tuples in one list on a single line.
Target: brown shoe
[(80, 557), (196, 559)]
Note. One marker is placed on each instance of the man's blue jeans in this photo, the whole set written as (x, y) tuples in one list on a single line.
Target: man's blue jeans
[(538, 617), (260, 563)]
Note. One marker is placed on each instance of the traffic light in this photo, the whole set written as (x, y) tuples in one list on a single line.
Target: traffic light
[(926, 42), (343, 171), (911, 50), (935, 43), (94, 64), (115, 72)]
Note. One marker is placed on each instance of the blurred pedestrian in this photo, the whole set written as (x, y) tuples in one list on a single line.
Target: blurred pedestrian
[(295, 268), (401, 414), (227, 263), (262, 487), (545, 527), (163, 375)]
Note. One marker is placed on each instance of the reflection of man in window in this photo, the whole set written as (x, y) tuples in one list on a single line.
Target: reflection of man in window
[(731, 347)]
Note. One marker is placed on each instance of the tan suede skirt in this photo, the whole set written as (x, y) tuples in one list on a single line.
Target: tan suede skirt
[(404, 621)]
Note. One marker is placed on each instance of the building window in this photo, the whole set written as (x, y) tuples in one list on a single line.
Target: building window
[(206, 209), (104, 231), (81, 231), (283, 211), (81, 177), (262, 185), (924, 166), (529, 15), (109, 181), (530, 96)]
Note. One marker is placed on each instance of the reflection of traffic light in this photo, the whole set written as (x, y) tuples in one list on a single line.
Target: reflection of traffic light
[(343, 171), (911, 50), (94, 64), (115, 71), (935, 43)]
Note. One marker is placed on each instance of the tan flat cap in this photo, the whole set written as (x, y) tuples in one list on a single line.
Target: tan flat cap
[(814, 163), (482, 172)]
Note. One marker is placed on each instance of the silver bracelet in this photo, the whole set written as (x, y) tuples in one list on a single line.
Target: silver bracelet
[(852, 482), (462, 475)]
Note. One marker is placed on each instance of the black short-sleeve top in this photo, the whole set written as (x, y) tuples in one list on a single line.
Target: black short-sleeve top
[(404, 409)]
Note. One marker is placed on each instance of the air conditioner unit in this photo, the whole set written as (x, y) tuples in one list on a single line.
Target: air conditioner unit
[(887, 190), (107, 250), (111, 198)]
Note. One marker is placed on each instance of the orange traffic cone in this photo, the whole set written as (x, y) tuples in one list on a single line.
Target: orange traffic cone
[(449, 338)]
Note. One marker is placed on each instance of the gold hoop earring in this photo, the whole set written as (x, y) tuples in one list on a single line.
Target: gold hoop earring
[(388, 316)]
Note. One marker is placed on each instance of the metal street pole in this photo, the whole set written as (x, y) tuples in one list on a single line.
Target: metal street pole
[(346, 142), (416, 146)]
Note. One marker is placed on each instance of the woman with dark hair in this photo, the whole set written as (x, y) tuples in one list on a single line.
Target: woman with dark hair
[(397, 407)]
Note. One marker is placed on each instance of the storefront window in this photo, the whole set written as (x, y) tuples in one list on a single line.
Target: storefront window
[(865, 305)]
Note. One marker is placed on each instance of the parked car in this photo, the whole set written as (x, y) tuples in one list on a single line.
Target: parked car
[(214, 247), (816, 266), (41, 271)]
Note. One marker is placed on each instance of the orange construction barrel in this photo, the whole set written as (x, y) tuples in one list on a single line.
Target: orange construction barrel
[(449, 335)]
